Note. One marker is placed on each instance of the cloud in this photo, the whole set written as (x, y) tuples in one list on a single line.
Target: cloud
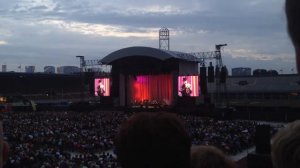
[(3, 42), (250, 54), (102, 30), (32, 5), (53, 31)]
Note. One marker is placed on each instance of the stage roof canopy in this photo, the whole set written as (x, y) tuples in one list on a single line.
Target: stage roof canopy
[(147, 52)]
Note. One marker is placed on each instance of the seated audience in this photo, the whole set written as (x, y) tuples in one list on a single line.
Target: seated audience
[(58, 138), (232, 137), (209, 157), (55, 139), (286, 146), (153, 140)]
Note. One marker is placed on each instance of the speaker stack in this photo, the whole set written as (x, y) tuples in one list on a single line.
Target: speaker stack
[(211, 73), (217, 71), (223, 74), (89, 80), (203, 81)]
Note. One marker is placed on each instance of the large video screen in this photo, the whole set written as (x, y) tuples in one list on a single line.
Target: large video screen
[(102, 87), (188, 86)]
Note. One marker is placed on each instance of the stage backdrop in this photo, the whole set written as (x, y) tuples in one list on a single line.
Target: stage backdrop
[(151, 87)]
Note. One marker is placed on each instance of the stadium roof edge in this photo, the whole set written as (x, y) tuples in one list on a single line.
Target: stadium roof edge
[(148, 52)]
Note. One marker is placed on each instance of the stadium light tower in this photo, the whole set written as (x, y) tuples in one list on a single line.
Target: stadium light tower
[(164, 39)]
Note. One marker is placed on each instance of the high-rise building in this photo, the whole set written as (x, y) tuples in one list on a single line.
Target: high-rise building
[(30, 69), (241, 71), (68, 69), (4, 68), (49, 69)]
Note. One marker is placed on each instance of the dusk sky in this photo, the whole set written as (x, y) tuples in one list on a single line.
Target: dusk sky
[(53, 32)]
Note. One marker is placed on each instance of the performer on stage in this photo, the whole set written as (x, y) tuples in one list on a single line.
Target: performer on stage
[(186, 88), (100, 88)]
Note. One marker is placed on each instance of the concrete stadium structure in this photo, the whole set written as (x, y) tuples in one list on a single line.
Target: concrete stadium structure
[(282, 90)]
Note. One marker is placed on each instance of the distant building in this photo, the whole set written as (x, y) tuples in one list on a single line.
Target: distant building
[(241, 71), (30, 69), (264, 72), (68, 69), (273, 73), (49, 69), (94, 69), (4, 68)]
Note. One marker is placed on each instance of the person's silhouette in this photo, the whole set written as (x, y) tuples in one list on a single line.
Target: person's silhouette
[(292, 8)]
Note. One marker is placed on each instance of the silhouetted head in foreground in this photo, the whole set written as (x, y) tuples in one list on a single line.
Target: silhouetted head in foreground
[(5, 151), (292, 8), (209, 157), (286, 147), (153, 140)]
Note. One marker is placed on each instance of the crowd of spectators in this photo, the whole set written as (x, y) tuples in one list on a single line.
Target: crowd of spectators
[(232, 136), (65, 139), (55, 139)]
